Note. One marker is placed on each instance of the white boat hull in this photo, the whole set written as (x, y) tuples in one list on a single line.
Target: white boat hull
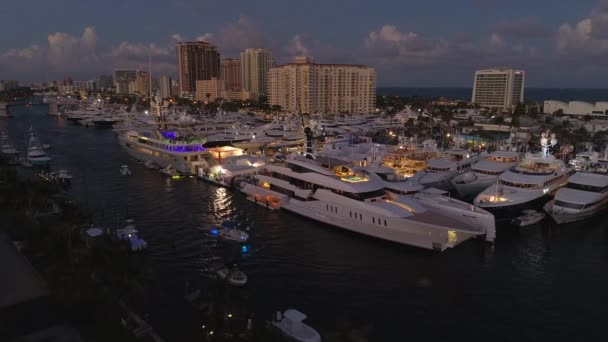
[(473, 188), (401, 230), (562, 216)]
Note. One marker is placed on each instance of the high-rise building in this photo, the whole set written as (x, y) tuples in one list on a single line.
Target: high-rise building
[(209, 90), (196, 61), (105, 82), (143, 83), (326, 88), (498, 88), (165, 87), (231, 73), (122, 78), (8, 84), (255, 64)]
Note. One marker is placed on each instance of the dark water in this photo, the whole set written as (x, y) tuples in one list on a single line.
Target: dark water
[(541, 283), (538, 95)]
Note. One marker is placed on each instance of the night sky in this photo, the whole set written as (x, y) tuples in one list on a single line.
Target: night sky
[(410, 43)]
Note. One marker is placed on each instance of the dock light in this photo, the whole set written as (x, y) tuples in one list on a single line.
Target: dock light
[(211, 332), (229, 315), (146, 112), (203, 327)]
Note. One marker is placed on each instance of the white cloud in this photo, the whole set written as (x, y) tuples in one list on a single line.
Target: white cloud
[(296, 47)]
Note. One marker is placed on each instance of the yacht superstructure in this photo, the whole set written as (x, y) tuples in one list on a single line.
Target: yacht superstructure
[(35, 152), (583, 196), (440, 171), (529, 185), (484, 173), (164, 149)]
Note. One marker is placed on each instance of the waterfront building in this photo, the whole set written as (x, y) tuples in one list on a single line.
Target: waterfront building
[(329, 88), (255, 64), (498, 88), (104, 82), (577, 108), (122, 78), (230, 73), (165, 87), (143, 83), (236, 95), (209, 90), (8, 84), (196, 61)]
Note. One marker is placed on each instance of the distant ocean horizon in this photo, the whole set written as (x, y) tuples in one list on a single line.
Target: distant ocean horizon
[(530, 94)]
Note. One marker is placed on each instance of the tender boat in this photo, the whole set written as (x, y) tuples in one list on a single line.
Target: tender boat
[(233, 276), (291, 324), (585, 195), (171, 172), (528, 218), (228, 231)]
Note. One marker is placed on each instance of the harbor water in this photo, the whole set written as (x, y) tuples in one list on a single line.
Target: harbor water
[(543, 282)]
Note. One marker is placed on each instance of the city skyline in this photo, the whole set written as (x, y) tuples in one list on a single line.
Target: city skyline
[(409, 44)]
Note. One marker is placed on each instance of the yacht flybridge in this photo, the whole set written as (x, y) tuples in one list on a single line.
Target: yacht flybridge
[(529, 185), (331, 192), (484, 173), (440, 171)]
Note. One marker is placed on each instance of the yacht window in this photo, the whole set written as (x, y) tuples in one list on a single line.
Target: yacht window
[(568, 205), (385, 223), (373, 219), (584, 187)]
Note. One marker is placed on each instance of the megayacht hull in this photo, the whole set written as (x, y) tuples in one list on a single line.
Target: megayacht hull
[(509, 212), (562, 216), (409, 232), (178, 165)]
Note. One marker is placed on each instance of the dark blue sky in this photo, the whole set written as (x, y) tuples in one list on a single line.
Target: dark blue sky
[(410, 43)]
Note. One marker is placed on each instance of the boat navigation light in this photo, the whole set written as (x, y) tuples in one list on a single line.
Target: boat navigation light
[(214, 232)]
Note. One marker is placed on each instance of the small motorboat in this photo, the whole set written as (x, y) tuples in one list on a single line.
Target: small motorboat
[(46, 146), (291, 324), (528, 218), (228, 231), (233, 276), (130, 234), (62, 176), (171, 172), (150, 164)]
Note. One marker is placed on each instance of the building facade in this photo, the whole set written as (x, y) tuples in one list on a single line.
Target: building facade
[(498, 88), (255, 64), (327, 88), (165, 89), (577, 108), (230, 73), (196, 61), (122, 78), (143, 83), (209, 90)]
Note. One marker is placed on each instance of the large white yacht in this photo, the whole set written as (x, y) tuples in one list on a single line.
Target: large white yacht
[(584, 195), (35, 152), (163, 149), (354, 200), (484, 173), (440, 171), (7, 148), (529, 185)]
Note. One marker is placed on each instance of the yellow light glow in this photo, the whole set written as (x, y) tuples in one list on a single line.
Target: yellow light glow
[(497, 199), (266, 185), (452, 238), (401, 205)]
